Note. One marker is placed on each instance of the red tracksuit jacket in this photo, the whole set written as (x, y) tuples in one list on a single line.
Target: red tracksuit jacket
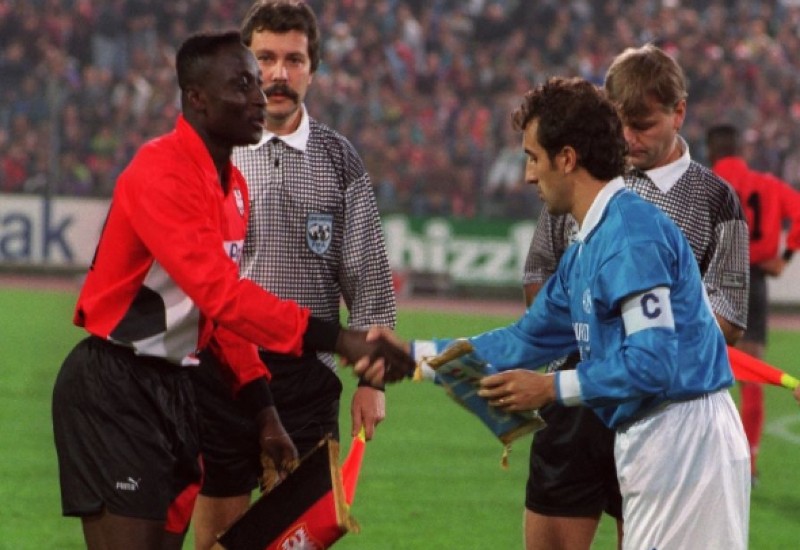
[(165, 276), (767, 202)]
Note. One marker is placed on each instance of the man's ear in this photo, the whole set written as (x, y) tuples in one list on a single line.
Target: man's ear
[(195, 99), (680, 115), (569, 158)]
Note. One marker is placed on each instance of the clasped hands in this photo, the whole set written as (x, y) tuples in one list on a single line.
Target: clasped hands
[(512, 390), (377, 351)]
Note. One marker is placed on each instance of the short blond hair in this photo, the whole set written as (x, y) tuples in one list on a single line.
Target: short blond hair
[(641, 74)]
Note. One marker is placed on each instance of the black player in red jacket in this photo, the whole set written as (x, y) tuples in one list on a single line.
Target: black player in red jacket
[(164, 284)]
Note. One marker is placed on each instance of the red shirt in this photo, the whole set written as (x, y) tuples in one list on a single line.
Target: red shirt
[(165, 277), (767, 202)]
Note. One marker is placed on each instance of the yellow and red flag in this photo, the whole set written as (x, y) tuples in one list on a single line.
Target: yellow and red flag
[(747, 368), (352, 466)]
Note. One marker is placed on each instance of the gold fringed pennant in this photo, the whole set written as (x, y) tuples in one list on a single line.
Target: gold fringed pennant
[(459, 370)]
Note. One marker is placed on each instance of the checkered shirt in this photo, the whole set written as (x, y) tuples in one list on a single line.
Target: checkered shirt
[(314, 234), (708, 213)]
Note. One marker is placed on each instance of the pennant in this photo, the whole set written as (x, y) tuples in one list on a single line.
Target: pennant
[(309, 510), (459, 370)]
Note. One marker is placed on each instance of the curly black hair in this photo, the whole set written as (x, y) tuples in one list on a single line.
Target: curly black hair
[(573, 112)]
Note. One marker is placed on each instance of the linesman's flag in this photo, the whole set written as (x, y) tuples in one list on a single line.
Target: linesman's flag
[(747, 368), (309, 510)]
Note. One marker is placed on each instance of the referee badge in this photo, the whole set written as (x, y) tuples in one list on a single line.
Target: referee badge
[(319, 230), (571, 229)]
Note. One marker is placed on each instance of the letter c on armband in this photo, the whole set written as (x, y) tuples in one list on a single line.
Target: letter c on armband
[(650, 307)]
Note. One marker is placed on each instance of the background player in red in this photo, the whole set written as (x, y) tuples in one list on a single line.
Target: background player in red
[(165, 283), (768, 203)]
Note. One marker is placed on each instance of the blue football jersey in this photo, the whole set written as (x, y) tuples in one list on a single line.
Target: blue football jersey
[(629, 296)]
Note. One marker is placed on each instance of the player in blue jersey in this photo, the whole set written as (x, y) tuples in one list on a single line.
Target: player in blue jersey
[(629, 297), (572, 478)]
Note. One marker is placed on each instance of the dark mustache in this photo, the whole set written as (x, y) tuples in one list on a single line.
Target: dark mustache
[(281, 89)]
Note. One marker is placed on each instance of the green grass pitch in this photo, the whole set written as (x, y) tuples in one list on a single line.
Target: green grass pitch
[(431, 478)]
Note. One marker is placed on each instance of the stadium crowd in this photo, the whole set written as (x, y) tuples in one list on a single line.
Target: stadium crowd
[(425, 89)]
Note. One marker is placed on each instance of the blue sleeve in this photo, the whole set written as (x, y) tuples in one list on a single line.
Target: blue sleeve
[(636, 355), (543, 334), (643, 367)]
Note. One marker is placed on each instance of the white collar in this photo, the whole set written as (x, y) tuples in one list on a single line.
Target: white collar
[(598, 206), (664, 177), (296, 140)]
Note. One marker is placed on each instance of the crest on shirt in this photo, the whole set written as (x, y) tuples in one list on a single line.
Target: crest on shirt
[(587, 301), (319, 231), (237, 196)]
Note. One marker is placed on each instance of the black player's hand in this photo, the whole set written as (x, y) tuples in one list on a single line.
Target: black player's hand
[(278, 453), (395, 363)]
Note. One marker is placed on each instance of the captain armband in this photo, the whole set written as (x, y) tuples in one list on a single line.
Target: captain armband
[(649, 309)]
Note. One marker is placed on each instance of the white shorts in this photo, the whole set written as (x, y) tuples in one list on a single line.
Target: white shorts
[(684, 474)]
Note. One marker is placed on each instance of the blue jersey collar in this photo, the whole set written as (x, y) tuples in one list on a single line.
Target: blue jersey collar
[(595, 212)]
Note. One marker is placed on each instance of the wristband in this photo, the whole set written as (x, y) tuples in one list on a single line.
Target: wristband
[(255, 396), (421, 351), (362, 383), (321, 335)]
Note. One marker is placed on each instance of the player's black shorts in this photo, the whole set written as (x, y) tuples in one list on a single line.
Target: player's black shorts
[(572, 471), (757, 307), (306, 394), (126, 434)]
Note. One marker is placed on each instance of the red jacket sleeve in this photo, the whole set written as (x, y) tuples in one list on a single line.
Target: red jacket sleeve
[(179, 222)]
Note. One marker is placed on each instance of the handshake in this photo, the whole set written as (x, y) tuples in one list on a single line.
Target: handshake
[(377, 355)]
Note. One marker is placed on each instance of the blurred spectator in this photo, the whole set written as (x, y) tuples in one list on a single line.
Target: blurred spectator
[(76, 178), (424, 87), (507, 170), (340, 43), (13, 169)]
